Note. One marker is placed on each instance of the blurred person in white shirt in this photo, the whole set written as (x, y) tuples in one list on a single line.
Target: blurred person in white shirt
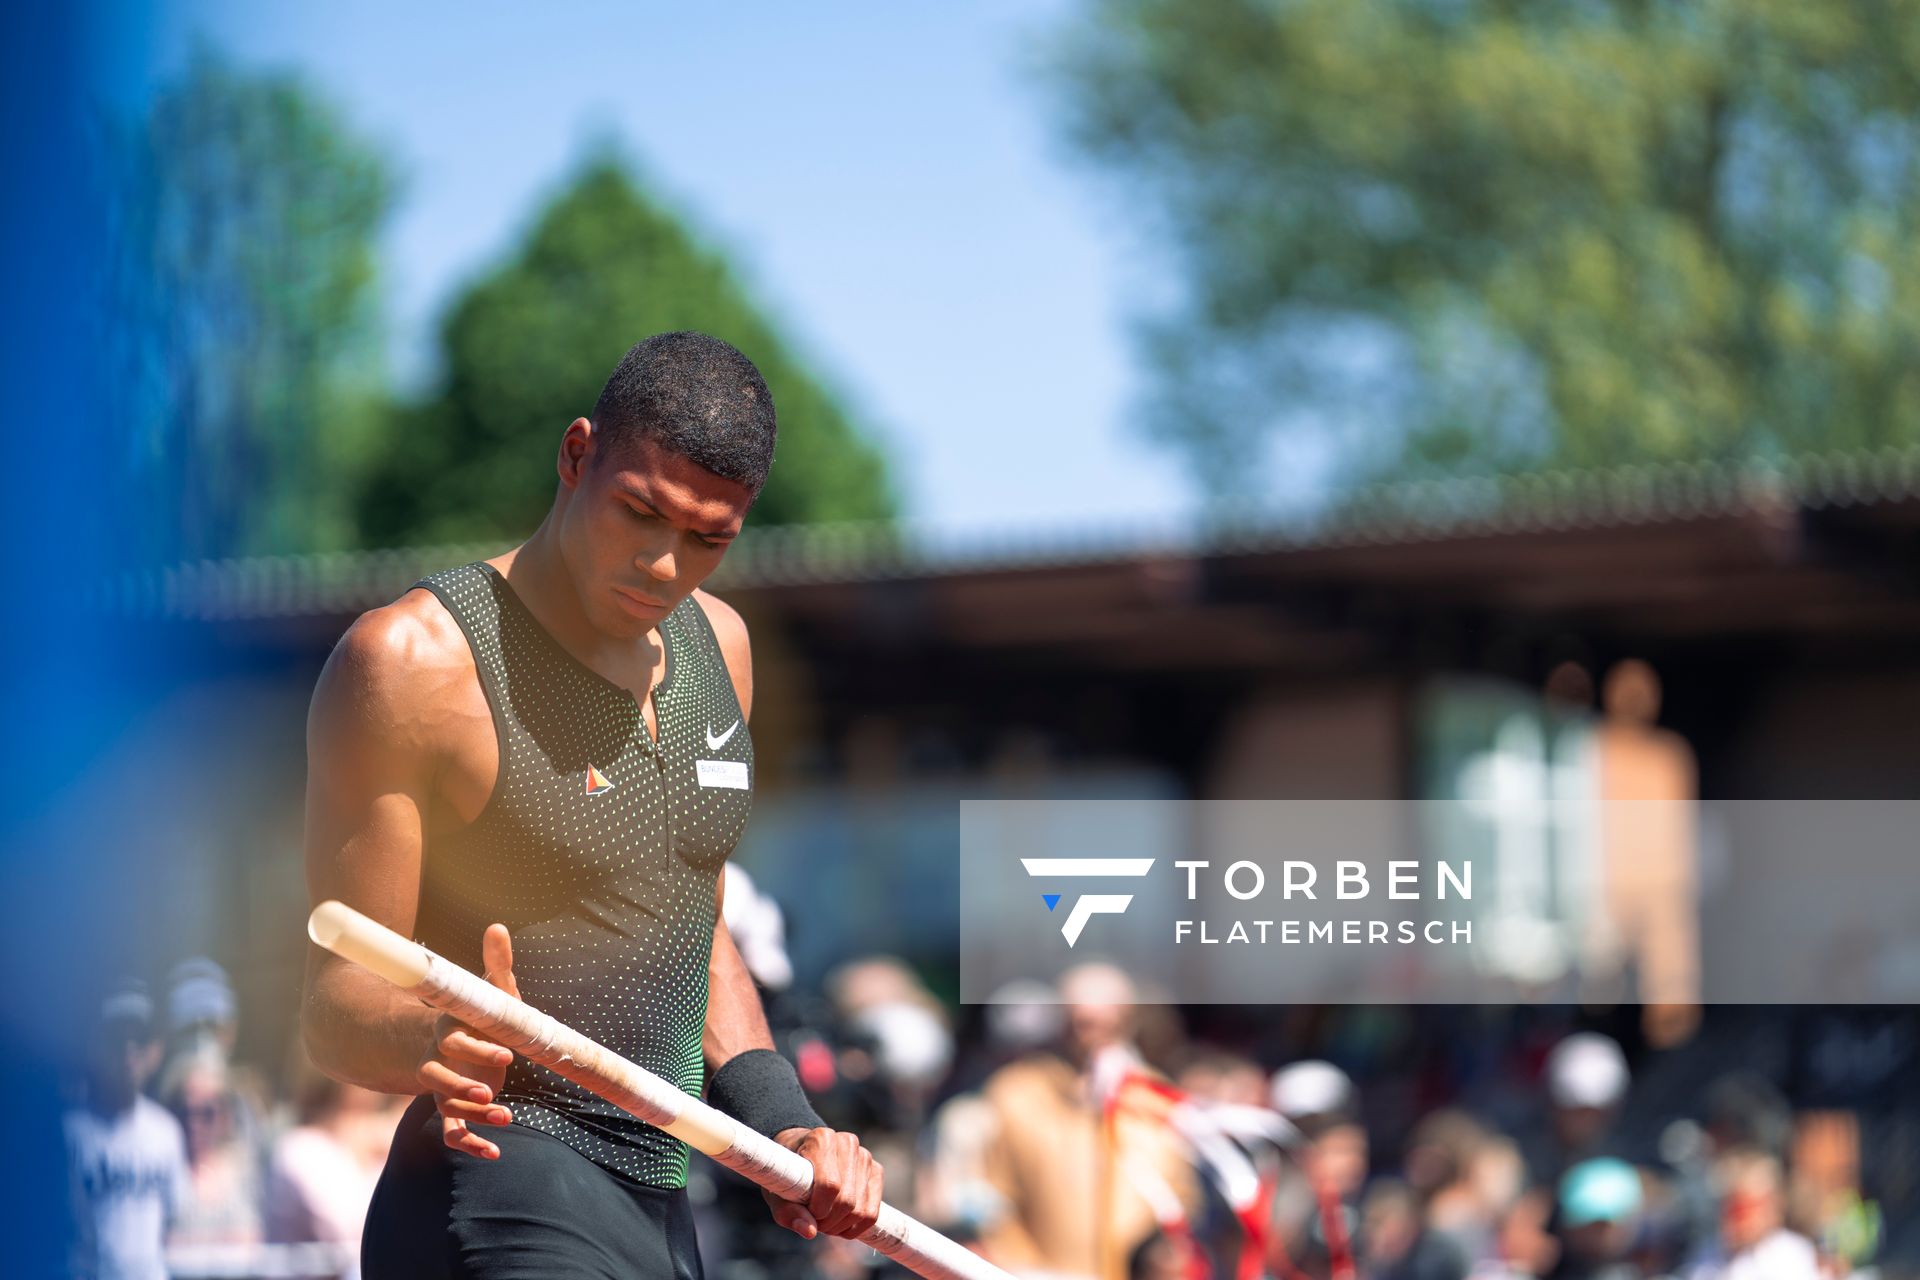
[(126, 1157), (1755, 1243), (322, 1171)]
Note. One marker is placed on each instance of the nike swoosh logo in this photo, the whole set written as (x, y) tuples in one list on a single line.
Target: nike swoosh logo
[(713, 743)]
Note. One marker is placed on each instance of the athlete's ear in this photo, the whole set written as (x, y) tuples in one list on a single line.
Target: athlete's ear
[(577, 449)]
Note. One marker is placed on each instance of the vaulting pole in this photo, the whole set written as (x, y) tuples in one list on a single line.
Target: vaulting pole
[(567, 1053)]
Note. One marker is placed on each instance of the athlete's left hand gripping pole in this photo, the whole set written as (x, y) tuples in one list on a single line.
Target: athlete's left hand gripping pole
[(564, 1051)]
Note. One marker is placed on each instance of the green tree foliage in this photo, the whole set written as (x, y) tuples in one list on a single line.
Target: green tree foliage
[(526, 349), (245, 356), (1486, 234)]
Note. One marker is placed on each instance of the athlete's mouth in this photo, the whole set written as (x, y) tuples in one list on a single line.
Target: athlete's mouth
[(639, 600)]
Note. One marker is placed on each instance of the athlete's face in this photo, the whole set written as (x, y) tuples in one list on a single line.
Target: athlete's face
[(643, 527)]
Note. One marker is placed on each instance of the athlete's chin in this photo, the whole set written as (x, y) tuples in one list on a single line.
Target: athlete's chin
[(624, 627)]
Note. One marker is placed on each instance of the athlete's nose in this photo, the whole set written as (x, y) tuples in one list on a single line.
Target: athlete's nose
[(658, 565)]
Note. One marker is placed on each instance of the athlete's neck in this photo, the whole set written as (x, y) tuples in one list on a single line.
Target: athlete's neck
[(539, 577)]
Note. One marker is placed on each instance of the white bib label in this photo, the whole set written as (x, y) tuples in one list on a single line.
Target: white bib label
[(722, 773)]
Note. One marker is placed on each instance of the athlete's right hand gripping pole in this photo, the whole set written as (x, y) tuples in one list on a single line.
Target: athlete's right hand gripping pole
[(564, 1051)]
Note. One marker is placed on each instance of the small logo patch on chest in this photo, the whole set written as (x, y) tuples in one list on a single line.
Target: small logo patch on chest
[(731, 774), (597, 781)]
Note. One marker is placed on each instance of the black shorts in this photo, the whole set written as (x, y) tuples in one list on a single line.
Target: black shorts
[(541, 1210)]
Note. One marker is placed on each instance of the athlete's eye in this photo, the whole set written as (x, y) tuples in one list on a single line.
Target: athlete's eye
[(653, 517)]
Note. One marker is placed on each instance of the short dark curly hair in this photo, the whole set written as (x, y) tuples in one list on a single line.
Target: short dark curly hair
[(696, 396)]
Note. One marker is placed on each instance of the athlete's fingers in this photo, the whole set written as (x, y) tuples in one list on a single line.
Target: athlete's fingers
[(858, 1182), (472, 1112), (793, 1217), (442, 1079), (454, 1133), (845, 1185), (829, 1174), (496, 949), (862, 1195), (465, 1046), (868, 1212), (824, 1203)]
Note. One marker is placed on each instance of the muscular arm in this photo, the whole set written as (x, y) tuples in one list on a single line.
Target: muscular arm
[(847, 1181), (376, 731), (736, 1021), (369, 780)]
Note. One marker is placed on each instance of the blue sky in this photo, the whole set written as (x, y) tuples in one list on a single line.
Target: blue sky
[(886, 176)]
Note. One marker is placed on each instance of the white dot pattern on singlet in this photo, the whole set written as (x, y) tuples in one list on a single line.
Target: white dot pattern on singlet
[(609, 896)]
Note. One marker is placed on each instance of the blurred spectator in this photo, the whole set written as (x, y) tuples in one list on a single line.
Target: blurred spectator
[(1755, 1243), (1161, 1257), (1313, 1094), (1586, 1080), (953, 1189), (1824, 1196), (1321, 1102), (1648, 782), (322, 1172), (1443, 1217), (897, 1032), (758, 928), (1395, 1242), (127, 1158), (224, 1188), (1315, 1211), (1230, 1090), (1465, 1179), (1078, 1182), (1600, 1202), (1523, 1247), (1213, 1076), (1744, 1110), (912, 1051), (1022, 1016), (202, 1020), (200, 1007)]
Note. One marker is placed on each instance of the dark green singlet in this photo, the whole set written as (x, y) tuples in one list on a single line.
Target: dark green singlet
[(599, 849)]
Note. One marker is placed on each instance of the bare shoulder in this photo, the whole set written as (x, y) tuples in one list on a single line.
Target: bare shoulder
[(393, 663), (728, 626), (385, 721), (415, 633), (730, 631)]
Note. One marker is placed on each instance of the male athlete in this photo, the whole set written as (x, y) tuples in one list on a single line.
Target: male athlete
[(537, 765)]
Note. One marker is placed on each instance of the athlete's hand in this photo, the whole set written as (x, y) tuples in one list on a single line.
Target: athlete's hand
[(846, 1186), (463, 1069)]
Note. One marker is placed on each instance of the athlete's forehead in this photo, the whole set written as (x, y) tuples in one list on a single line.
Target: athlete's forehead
[(680, 490)]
